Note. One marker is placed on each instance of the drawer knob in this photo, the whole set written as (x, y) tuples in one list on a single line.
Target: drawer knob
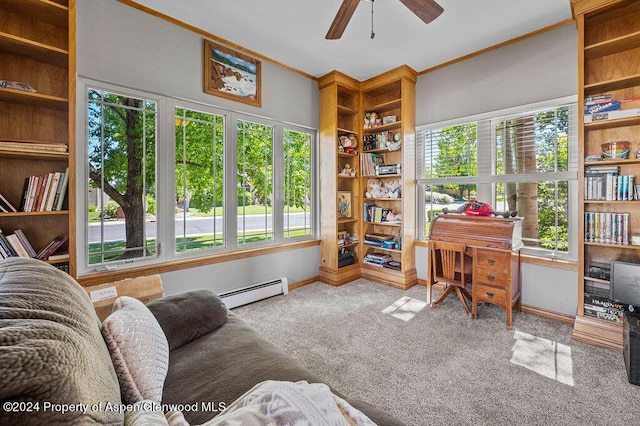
[(489, 295), (491, 261), (491, 277)]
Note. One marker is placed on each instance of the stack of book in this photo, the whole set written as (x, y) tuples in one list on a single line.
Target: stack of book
[(375, 239), (377, 259), (606, 227), (35, 147), (604, 107), (17, 245), (45, 193), (605, 183), (603, 308)]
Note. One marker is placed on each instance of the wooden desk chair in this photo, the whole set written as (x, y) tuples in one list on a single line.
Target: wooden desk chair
[(450, 267)]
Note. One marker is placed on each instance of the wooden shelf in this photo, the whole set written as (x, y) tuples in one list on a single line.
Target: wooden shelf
[(343, 131), (33, 50), (23, 214), (627, 202), (615, 45), (597, 280), (397, 225), (346, 176), (384, 127), (615, 162), (385, 106), (616, 246), (33, 98), (609, 124), (52, 12), (611, 85), (341, 221), (383, 199), (346, 154), (64, 157), (346, 111), (368, 246), (381, 176)]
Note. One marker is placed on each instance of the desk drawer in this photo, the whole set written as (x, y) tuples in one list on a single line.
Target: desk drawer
[(492, 259), (490, 276), (484, 293)]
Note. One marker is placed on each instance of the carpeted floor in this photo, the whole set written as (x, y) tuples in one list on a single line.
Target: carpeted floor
[(442, 368)]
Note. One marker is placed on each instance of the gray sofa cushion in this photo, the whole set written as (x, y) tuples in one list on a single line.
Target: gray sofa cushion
[(51, 348), (187, 316)]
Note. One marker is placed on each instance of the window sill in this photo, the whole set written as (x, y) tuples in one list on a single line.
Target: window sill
[(176, 265)]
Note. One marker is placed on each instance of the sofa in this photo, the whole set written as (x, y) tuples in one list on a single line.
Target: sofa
[(60, 365)]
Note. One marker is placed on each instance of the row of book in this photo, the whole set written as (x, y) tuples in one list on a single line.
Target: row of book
[(604, 107), (605, 183), (45, 193), (375, 214), (606, 227), (376, 239), (17, 245), (368, 163), (382, 260)]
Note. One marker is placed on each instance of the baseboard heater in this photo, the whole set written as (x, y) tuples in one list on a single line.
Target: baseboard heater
[(255, 292)]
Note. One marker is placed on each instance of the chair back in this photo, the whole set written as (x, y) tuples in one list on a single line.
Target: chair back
[(448, 263)]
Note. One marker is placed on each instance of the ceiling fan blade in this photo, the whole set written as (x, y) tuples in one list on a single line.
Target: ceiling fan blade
[(427, 10), (342, 19)]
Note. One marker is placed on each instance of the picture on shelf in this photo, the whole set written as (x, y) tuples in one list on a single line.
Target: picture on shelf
[(388, 119), (345, 210)]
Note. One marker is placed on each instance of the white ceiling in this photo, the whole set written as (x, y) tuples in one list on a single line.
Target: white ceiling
[(292, 31)]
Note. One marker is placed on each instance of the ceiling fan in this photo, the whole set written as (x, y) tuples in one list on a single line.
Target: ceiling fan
[(426, 10)]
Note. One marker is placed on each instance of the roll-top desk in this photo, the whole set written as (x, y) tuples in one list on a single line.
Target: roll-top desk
[(494, 245)]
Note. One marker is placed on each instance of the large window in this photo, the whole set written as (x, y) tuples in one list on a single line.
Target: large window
[(199, 177), (169, 179), (524, 162), (121, 186), (255, 182), (297, 183)]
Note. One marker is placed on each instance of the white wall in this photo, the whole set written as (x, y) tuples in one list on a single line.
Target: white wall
[(533, 70), (120, 45)]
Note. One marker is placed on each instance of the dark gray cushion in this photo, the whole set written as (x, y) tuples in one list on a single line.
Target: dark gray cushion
[(51, 348), (187, 316)]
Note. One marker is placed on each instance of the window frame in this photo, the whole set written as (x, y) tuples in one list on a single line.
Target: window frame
[(486, 178), (165, 180)]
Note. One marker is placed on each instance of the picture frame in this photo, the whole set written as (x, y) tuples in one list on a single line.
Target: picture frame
[(388, 119), (231, 74), (344, 205)]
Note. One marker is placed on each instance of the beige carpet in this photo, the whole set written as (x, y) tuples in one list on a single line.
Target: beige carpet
[(441, 368)]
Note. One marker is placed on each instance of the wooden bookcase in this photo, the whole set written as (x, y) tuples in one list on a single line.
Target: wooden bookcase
[(392, 94), (36, 49), (339, 115), (343, 104), (608, 63)]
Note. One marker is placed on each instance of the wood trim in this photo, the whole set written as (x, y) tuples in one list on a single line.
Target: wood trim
[(177, 265), (551, 263), (206, 34), (303, 283), (71, 142), (498, 46), (581, 7), (547, 314)]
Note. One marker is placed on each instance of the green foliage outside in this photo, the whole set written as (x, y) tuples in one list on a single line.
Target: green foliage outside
[(110, 210)]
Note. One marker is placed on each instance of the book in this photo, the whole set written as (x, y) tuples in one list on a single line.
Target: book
[(17, 245), (602, 107), (25, 242), (63, 190), (6, 205), (7, 249), (612, 115), (51, 194), (51, 247)]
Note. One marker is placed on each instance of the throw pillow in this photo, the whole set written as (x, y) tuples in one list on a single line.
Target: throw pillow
[(138, 348)]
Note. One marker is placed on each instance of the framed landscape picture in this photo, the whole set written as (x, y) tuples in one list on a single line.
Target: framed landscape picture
[(344, 205), (231, 74)]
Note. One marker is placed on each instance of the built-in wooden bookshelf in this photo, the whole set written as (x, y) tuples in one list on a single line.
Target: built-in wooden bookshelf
[(391, 96), (339, 181), (608, 63), (37, 50), (343, 105)]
